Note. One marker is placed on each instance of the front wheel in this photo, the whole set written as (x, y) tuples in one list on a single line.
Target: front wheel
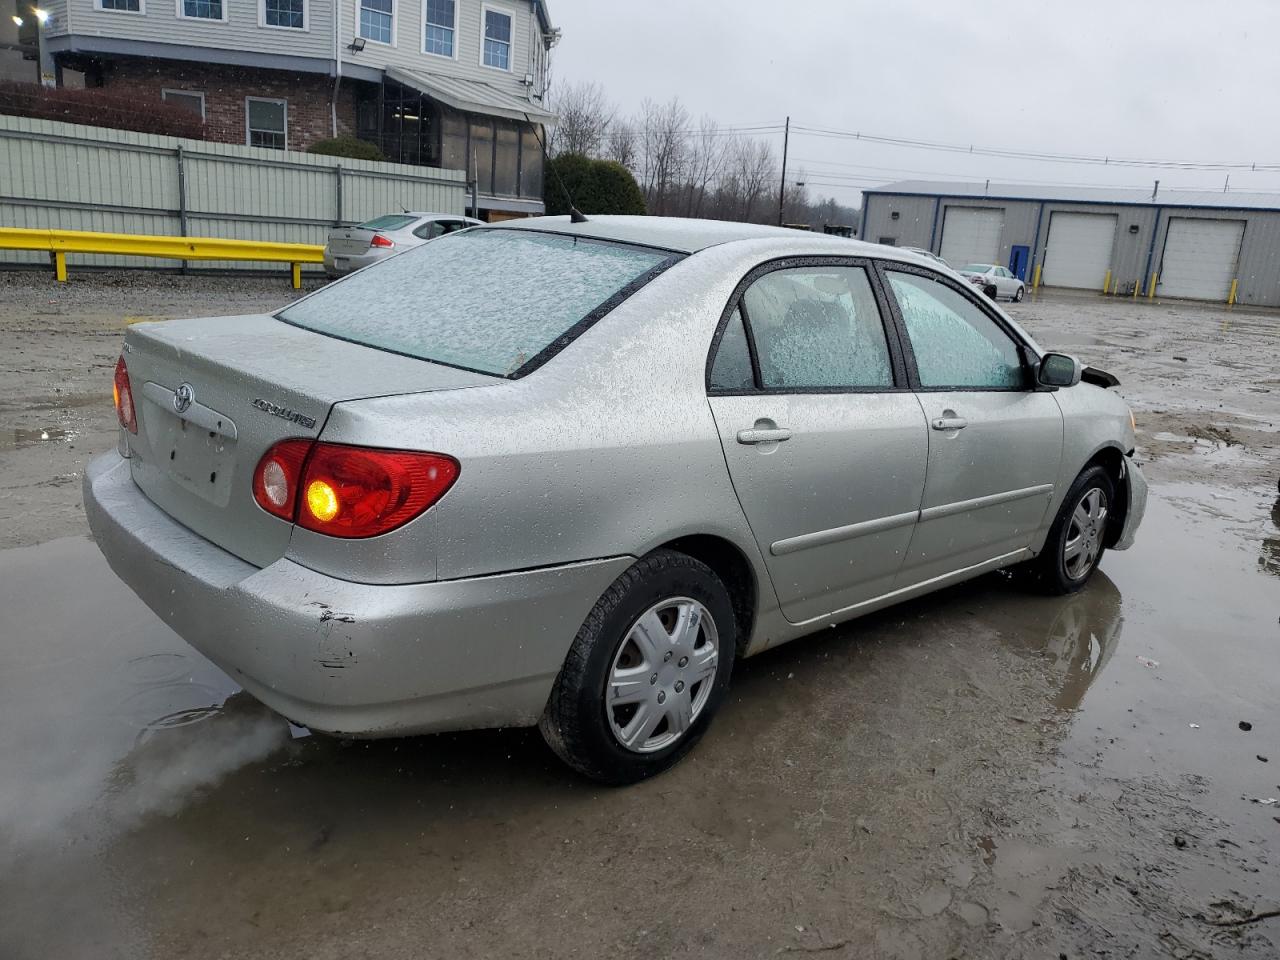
[(1076, 540), (646, 672)]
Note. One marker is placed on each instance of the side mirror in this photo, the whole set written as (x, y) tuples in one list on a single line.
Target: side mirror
[(1059, 370)]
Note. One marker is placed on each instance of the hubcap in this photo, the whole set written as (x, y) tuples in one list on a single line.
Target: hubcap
[(1084, 534), (662, 675)]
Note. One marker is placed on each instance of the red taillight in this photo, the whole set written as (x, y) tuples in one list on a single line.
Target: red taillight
[(122, 392), (346, 491), (278, 476), (380, 241)]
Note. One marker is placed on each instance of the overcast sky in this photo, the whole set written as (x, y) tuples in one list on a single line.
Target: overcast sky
[(1169, 80)]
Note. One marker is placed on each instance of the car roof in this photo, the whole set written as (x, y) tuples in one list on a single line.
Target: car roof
[(686, 235)]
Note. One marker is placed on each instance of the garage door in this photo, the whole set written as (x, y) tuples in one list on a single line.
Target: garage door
[(1079, 249), (971, 235), (1200, 256)]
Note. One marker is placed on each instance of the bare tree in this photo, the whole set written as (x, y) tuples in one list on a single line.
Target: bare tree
[(620, 143), (663, 130), (585, 118), (702, 172), (706, 164), (753, 173)]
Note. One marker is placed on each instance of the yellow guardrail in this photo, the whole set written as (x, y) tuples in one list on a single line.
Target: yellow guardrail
[(62, 242)]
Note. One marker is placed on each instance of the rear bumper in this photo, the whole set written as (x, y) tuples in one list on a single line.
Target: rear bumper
[(342, 657), (339, 265), (1136, 507)]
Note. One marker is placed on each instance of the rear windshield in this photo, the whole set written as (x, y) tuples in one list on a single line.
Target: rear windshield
[(976, 268), (392, 221), (485, 300)]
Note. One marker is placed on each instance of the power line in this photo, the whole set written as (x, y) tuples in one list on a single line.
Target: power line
[(822, 132)]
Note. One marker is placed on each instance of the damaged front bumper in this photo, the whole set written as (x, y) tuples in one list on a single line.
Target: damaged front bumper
[(350, 658), (1135, 485)]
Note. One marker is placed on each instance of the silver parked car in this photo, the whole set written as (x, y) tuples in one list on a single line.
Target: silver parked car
[(598, 464), (995, 281), (350, 248)]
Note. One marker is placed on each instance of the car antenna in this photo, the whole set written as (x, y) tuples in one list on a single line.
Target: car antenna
[(575, 215), (403, 208)]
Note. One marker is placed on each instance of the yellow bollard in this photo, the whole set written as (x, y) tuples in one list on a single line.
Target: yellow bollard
[(1137, 288), (1231, 297), (1035, 281), (296, 275), (1151, 290), (1106, 284), (60, 265)]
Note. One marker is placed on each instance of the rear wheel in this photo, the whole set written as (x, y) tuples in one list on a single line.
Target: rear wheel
[(646, 672), (1019, 294)]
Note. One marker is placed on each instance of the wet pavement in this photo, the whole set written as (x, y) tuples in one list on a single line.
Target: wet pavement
[(980, 773)]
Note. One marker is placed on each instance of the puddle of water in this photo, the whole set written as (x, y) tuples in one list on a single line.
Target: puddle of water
[(13, 439), (886, 743)]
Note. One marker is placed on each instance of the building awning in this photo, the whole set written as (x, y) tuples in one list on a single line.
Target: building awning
[(472, 96)]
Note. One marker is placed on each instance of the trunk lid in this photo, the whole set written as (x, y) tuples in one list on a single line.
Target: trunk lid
[(349, 241), (212, 395)]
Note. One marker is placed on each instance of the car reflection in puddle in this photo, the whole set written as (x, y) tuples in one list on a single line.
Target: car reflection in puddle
[(1269, 560), (1080, 640)]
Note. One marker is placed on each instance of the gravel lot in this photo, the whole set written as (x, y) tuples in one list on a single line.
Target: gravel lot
[(978, 773)]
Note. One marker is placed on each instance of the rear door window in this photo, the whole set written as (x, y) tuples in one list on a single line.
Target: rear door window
[(497, 301), (818, 327)]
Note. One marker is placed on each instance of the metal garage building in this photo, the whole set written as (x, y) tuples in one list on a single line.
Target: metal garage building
[(1192, 244)]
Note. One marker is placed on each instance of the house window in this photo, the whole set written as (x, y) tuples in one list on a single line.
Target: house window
[(266, 122), (440, 26), (125, 6), (285, 13), (203, 9), (497, 39), (376, 20), (187, 99)]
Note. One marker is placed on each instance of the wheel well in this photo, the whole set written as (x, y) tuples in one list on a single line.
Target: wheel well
[(734, 570), (1112, 460)]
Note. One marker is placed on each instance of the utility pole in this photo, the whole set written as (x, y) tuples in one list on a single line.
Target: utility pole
[(782, 190)]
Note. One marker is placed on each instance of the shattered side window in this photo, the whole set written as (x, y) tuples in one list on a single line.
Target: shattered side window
[(955, 343), (818, 327), (732, 367)]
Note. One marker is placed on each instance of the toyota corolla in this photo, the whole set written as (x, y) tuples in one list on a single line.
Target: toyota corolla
[(566, 474)]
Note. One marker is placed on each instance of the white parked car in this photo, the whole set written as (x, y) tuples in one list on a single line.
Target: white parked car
[(996, 282), (350, 248)]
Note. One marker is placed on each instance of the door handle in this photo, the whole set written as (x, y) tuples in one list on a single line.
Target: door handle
[(775, 435), (950, 423)]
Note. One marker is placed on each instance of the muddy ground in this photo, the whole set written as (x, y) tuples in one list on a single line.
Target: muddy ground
[(982, 773)]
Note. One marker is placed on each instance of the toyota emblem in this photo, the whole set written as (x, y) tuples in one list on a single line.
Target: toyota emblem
[(183, 397)]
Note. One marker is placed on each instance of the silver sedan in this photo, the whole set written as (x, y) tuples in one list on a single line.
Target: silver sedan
[(349, 248), (596, 466), (995, 281)]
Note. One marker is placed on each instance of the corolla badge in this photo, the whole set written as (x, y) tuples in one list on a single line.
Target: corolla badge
[(183, 397), (266, 406)]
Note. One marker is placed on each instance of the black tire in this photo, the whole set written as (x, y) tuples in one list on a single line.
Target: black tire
[(991, 292), (1048, 572), (1017, 297), (576, 723)]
